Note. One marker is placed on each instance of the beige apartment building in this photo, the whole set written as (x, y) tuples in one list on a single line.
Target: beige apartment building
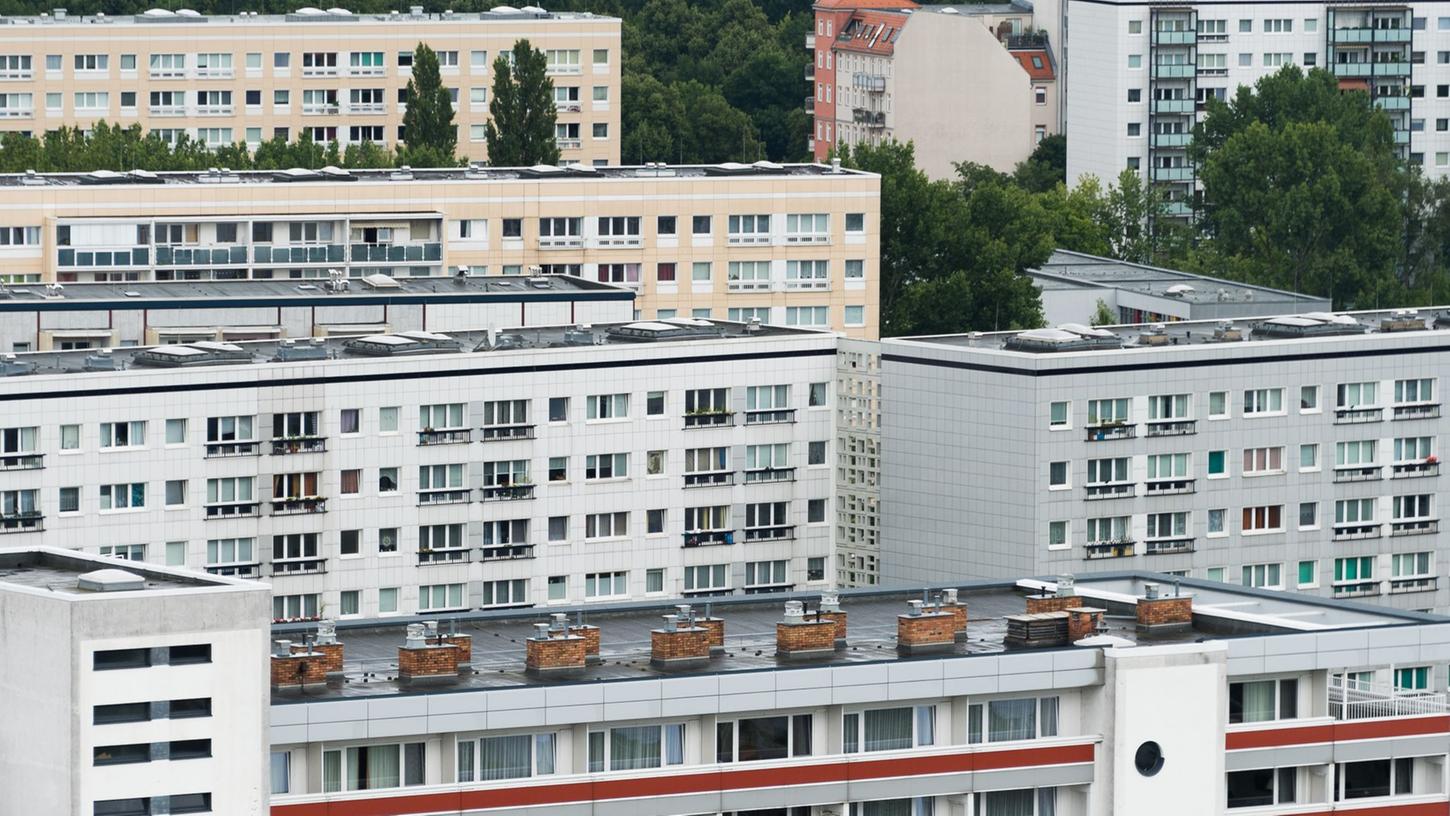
[(794, 245), (333, 75)]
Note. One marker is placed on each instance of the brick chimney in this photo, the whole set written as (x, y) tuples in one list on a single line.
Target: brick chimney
[(327, 646), (925, 629), (949, 603), (297, 669), (422, 661), (799, 639), (715, 626), (680, 643), (1164, 613), (831, 610), (591, 641), (1082, 621), (1063, 599), (555, 651)]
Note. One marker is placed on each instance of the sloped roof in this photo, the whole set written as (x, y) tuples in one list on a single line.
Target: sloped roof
[(842, 5), (1041, 68)]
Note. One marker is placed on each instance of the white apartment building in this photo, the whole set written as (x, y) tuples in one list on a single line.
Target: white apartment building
[(131, 692), (1293, 453), (422, 473), (330, 75), (1142, 72)]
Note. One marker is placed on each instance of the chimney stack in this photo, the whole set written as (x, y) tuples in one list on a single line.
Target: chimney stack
[(420, 660), (948, 603), (326, 646), (1163, 613), (925, 629), (1082, 622), (586, 631), (831, 610), (680, 643), (296, 666), (1065, 597), (555, 651), (799, 639)]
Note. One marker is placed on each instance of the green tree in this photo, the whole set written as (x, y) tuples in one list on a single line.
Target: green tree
[(1046, 167), (716, 131), (1102, 315), (653, 119), (520, 130), (428, 122)]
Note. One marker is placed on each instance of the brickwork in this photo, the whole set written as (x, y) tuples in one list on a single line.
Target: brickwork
[(429, 661), (958, 611), (1165, 611), (1082, 621), (679, 644), (1037, 604), (555, 654), (716, 628), (331, 653), (839, 618), (811, 636), (926, 629), (299, 669), (591, 638), (464, 644)]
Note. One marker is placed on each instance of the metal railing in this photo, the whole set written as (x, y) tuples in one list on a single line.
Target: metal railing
[(1350, 699)]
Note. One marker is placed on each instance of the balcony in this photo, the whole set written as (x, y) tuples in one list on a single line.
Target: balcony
[(222, 510), (321, 109), (299, 506), (365, 108), (1182, 173), (1111, 491), (508, 492), (299, 253), (747, 285), (221, 450), (214, 110), (1183, 106), (870, 83), (1425, 583), (25, 521), (1182, 70), (451, 436), (1177, 209), (1171, 427), (567, 144), (561, 241), (869, 118), (1369, 35), (1355, 416), (1175, 37), (1167, 546), (1168, 487), (1356, 589), (770, 416), (810, 72), (443, 555), (778, 532), (711, 478), (1105, 431), (299, 566), (21, 460), (94, 257), (17, 113), (446, 496), (810, 44), (1413, 470), (1109, 549), (1353, 700), (1356, 531), (709, 419), (299, 444), (810, 104), (166, 110), (1397, 102), (506, 552), (201, 255), (251, 570), (770, 474), (1170, 139), (496, 433), (416, 252), (1408, 527), (1357, 473), (1420, 411), (709, 538)]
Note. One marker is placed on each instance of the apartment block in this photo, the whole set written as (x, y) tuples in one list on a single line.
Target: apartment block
[(1142, 75), (131, 691), (972, 82), (785, 244), (1295, 453), (1119, 695), (330, 75), (419, 472)]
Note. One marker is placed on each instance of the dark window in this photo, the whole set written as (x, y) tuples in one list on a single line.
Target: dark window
[(700, 225), (1251, 788), (1366, 779), (190, 749), (1404, 775), (801, 737), (513, 228), (122, 807), (1288, 699), (816, 511), (191, 653), (121, 713), (122, 659), (413, 768), (254, 97), (121, 754), (349, 543), (193, 707), (654, 404), (191, 803), (764, 738), (655, 521), (665, 225), (725, 742), (558, 409)]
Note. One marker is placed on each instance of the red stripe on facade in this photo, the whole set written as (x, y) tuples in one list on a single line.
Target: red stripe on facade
[(841, 770), (1422, 809), (1338, 732)]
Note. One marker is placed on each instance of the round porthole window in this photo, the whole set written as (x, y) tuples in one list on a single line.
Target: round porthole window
[(1149, 758)]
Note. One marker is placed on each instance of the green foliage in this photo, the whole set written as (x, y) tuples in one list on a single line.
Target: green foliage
[(428, 121), (1102, 315), (1046, 167), (684, 123), (520, 130)]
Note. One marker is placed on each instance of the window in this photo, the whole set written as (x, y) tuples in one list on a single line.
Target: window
[(1263, 576), (1414, 391), (1415, 678), (1217, 464), (1261, 461), (1109, 529), (1308, 515), (1135, 129), (606, 466), (1057, 535), (387, 600), (707, 577), (601, 56), (816, 511), (1356, 395), (1413, 448), (606, 525), (1308, 457), (230, 552), (1308, 574), (1409, 566), (665, 225), (434, 597), (1107, 411), (1057, 475), (175, 492), (1263, 401), (123, 496), (1263, 700), (603, 406), (700, 225), (123, 434), (1218, 405), (1135, 61), (1354, 570), (604, 585), (1264, 519), (125, 552), (1262, 786)]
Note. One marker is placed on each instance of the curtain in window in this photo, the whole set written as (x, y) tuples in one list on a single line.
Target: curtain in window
[(504, 757), (1011, 720), (1047, 798), (544, 754), (1258, 701), (675, 744), (1049, 717), (281, 765), (634, 747), (926, 725), (465, 761), (887, 807), (888, 729), (1007, 803), (372, 767)]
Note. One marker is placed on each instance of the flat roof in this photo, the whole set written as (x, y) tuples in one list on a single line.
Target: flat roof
[(473, 174), (159, 16), (498, 648), (215, 293), (58, 572), (406, 344), (1070, 270)]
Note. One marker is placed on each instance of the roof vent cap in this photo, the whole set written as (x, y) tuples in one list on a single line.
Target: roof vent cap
[(110, 580)]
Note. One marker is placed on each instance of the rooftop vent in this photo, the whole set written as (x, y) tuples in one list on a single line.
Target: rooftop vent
[(381, 281), (1403, 320), (203, 353), (672, 329), (289, 352), (110, 580), (1179, 290), (402, 344), (1310, 324), (1067, 337), (1227, 332), (10, 367), (1154, 335)]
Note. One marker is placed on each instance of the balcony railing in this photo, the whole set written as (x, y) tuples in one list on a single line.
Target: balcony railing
[(1412, 470), (299, 506), (1175, 37), (1406, 527), (771, 474), (561, 241), (1167, 546), (709, 419), (711, 478), (1170, 139), (1358, 473), (1182, 173), (494, 433), (221, 510), (28, 521), (299, 566), (1356, 589), (251, 570), (1423, 411), (299, 444), (709, 538), (1168, 487), (224, 449), (769, 416), (1111, 430), (1111, 491), (299, 253), (196, 255), (418, 252), (1353, 416), (1178, 70), (1110, 549), (508, 492), (778, 532), (445, 496), (1370, 35), (506, 552), (1423, 583), (1347, 532), (452, 436), (22, 461), (443, 555), (1352, 700), (1171, 427), (1182, 106)]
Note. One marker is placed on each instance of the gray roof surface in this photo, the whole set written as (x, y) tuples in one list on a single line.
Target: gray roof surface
[(504, 288), (60, 572), (1066, 269)]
